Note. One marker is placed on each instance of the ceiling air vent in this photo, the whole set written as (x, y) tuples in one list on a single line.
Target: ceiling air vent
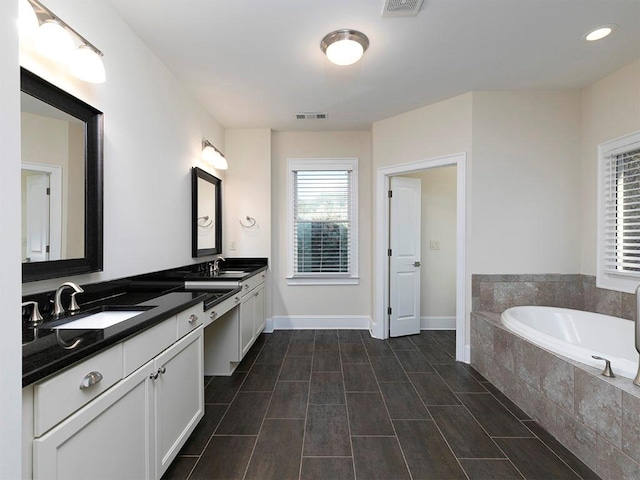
[(401, 8), (311, 116)]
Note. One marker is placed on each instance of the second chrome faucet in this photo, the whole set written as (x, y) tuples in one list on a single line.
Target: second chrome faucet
[(58, 309)]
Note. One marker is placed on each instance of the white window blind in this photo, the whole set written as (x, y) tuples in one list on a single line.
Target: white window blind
[(621, 213), (322, 222), (322, 214)]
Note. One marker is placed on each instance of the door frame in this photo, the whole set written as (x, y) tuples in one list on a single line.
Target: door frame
[(380, 320)]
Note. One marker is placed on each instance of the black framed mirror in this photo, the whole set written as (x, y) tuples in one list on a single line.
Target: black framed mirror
[(62, 182), (206, 213)]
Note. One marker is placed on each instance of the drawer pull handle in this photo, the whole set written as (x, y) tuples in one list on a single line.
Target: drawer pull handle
[(90, 379), (246, 287), (154, 375), (256, 294), (192, 318), (237, 299), (213, 315), (162, 370)]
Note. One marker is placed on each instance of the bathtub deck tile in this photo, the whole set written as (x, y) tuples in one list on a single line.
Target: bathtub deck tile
[(631, 426), (599, 406), (557, 380)]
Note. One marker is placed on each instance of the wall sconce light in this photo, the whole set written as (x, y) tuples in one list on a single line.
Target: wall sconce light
[(344, 47), (213, 156), (56, 40)]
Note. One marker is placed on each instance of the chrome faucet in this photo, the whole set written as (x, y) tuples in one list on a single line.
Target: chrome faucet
[(636, 380), (216, 266), (57, 302), (35, 318)]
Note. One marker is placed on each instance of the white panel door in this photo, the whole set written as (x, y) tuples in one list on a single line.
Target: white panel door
[(37, 217), (404, 262)]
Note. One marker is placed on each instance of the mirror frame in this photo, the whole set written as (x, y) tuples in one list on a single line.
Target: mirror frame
[(197, 173), (46, 92)]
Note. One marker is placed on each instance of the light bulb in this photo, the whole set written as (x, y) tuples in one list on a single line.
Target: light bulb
[(27, 20), (54, 42), (344, 52), (87, 65), (209, 154), (220, 163)]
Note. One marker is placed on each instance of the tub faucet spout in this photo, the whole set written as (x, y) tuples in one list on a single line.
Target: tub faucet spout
[(636, 380)]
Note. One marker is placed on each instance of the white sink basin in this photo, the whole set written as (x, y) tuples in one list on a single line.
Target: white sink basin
[(232, 272), (100, 320)]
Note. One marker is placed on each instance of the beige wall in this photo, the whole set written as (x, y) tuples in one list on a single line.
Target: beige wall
[(610, 109), (438, 223), (320, 300), (440, 129), (525, 183)]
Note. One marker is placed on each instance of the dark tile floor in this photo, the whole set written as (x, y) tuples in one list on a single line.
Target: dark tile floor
[(336, 405)]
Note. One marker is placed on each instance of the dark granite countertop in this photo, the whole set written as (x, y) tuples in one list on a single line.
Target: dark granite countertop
[(158, 295)]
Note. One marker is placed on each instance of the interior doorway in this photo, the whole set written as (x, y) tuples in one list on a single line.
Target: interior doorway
[(382, 298)]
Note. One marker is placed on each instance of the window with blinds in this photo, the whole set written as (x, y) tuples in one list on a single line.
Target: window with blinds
[(622, 213), (619, 214), (322, 224)]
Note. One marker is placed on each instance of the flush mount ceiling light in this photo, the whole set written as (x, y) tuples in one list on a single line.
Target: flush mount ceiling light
[(344, 47), (56, 40), (212, 155), (600, 32)]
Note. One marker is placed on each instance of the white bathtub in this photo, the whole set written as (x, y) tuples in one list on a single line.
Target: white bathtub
[(578, 335)]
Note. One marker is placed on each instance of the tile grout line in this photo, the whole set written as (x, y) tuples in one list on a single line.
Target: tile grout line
[(253, 449), (346, 405), (306, 414), (444, 438), (223, 415)]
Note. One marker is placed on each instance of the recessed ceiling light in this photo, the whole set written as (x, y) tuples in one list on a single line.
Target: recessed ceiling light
[(599, 33)]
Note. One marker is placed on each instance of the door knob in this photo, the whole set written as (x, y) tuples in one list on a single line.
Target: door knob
[(416, 264)]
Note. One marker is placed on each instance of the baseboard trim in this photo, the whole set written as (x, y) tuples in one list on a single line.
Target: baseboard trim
[(318, 322), (437, 323)]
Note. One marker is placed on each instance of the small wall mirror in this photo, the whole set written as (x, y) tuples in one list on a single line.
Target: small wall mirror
[(61, 143), (206, 213)]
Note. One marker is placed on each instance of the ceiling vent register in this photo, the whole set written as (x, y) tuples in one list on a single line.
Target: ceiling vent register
[(401, 8), (311, 116)]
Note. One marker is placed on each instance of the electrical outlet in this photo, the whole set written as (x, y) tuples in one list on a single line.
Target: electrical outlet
[(233, 245), (434, 245)]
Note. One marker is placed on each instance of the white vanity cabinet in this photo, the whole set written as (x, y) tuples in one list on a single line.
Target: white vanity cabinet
[(178, 397), (234, 331), (131, 428)]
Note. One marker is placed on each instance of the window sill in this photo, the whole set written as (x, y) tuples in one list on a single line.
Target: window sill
[(322, 281)]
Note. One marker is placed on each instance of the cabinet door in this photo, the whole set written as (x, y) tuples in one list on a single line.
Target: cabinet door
[(179, 397), (259, 319), (247, 333), (106, 439)]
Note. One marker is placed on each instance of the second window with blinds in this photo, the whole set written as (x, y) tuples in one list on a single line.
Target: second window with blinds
[(322, 221), (619, 214)]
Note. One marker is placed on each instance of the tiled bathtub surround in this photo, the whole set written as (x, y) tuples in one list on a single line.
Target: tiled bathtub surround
[(496, 293), (595, 417)]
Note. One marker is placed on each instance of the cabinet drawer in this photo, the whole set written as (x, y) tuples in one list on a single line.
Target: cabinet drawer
[(146, 345), (252, 282), (189, 319), (220, 309), (61, 395)]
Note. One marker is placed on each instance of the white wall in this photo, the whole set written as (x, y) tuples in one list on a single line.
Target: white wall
[(300, 300), (10, 340), (610, 109), (438, 223), (153, 134), (247, 192), (525, 182)]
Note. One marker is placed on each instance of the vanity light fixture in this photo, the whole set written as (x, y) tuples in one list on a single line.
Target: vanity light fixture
[(345, 46), (213, 156), (57, 41), (599, 33)]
